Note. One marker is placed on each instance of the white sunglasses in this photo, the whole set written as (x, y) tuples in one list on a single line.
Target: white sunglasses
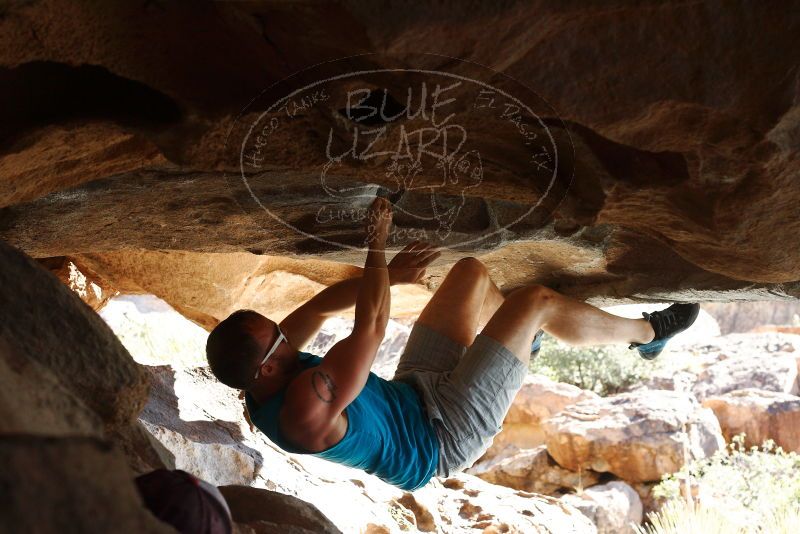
[(281, 337)]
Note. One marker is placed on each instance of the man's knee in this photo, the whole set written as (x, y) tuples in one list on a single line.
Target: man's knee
[(469, 268), (534, 294)]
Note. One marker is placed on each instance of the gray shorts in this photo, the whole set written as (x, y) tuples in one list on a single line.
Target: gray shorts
[(466, 391)]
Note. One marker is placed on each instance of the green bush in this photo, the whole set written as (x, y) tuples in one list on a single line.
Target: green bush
[(605, 370), (756, 490)]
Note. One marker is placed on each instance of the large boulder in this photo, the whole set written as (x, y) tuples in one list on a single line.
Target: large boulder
[(267, 511), (63, 371), (766, 360), (538, 399), (760, 415), (48, 325), (669, 379), (637, 436), (614, 507), (68, 390), (69, 484), (177, 415), (771, 372), (465, 502), (34, 401), (532, 470)]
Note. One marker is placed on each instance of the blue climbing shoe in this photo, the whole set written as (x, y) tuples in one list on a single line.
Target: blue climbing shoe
[(537, 343), (666, 324)]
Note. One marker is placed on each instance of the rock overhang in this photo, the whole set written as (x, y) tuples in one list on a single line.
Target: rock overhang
[(678, 189)]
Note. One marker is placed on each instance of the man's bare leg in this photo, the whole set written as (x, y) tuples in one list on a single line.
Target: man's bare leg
[(466, 299), (494, 298), (528, 309)]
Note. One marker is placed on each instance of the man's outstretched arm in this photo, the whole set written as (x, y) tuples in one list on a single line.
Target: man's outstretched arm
[(318, 396), (407, 267)]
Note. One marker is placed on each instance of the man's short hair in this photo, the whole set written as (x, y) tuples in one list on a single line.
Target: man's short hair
[(232, 351)]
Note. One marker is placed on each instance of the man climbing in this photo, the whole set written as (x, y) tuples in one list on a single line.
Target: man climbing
[(452, 388)]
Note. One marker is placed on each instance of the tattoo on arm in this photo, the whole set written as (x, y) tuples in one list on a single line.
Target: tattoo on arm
[(323, 386)]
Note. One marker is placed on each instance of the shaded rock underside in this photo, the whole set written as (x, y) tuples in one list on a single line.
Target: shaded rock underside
[(677, 127)]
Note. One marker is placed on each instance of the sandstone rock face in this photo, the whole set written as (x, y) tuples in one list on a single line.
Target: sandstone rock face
[(537, 400), (422, 511), (614, 507), (671, 380), (117, 142), (769, 372), (532, 470), (206, 288), (263, 510), (64, 156), (684, 189), (637, 436), (88, 285), (760, 415), (540, 398)]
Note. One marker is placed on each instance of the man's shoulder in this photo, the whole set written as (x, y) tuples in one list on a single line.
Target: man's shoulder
[(304, 420), (301, 404)]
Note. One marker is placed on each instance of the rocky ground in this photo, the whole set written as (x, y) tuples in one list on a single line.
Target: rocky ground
[(736, 383)]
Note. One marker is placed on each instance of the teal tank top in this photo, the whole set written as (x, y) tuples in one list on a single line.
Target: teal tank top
[(388, 433)]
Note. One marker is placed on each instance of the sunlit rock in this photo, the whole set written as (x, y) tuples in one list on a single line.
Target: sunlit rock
[(614, 507), (532, 470), (770, 372), (637, 436), (759, 415), (269, 511), (537, 400)]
